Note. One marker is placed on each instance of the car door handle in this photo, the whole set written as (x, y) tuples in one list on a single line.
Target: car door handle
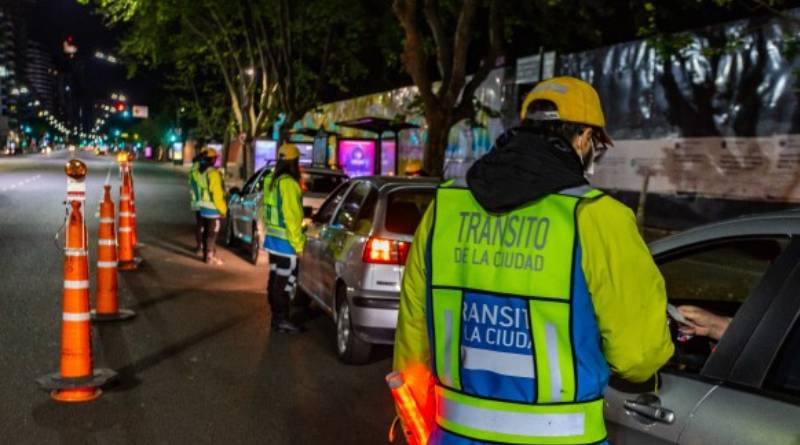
[(649, 411)]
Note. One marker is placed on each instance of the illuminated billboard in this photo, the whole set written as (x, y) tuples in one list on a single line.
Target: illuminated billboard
[(265, 152), (357, 156), (306, 152), (388, 157), (177, 151)]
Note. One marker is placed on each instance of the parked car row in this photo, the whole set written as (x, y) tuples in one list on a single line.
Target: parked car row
[(358, 235), (744, 389)]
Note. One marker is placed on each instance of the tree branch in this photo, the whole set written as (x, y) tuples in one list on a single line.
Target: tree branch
[(465, 108), (463, 36), (413, 56), (286, 48), (777, 12), (321, 77), (235, 104), (444, 45)]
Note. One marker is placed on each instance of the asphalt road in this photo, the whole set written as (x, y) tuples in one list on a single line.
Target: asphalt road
[(197, 365)]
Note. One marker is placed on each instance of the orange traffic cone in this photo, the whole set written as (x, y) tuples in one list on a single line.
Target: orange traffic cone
[(127, 260), (107, 305), (77, 381)]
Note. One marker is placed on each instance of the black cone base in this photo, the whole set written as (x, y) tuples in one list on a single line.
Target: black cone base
[(120, 315)]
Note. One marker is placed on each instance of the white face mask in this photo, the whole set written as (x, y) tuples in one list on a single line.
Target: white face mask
[(589, 171), (588, 160)]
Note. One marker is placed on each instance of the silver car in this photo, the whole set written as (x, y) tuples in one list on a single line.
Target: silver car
[(744, 389), (245, 205), (356, 249)]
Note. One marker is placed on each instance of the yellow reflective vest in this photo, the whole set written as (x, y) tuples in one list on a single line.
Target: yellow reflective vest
[(212, 194), (283, 216), (485, 279), (194, 186)]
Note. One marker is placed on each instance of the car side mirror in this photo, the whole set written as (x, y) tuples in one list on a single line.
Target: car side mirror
[(235, 191), (307, 212)]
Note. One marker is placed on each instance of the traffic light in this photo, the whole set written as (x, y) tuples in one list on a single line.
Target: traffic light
[(120, 107)]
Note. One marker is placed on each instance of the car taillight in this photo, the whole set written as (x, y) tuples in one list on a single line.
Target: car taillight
[(402, 251), (386, 251)]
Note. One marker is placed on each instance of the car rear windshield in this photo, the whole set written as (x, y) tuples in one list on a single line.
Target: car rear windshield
[(404, 209), (321, 182)]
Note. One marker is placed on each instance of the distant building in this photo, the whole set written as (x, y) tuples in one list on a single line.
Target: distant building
[(41, 73), (8, 77)]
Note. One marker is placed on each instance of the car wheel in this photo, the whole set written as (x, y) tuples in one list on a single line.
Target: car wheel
[(350, 349), (230, 237), (255, 245)]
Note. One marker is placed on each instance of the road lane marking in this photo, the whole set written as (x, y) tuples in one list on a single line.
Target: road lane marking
[(20, 183)]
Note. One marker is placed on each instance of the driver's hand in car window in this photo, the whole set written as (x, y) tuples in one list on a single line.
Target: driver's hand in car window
[(704, 323)]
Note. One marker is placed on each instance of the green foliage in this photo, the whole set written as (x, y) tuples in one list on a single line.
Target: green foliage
[(154, 129), (264, 56)]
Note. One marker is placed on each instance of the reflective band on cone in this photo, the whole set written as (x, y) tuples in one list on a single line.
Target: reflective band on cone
[(81, 316), (79, 284), (107, 264)]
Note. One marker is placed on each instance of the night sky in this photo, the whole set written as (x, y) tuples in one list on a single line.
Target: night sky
[(51, 21)]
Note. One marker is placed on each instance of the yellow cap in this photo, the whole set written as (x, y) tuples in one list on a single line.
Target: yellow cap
[(575, 100), (288, 152), (413, 167), (210, 152)]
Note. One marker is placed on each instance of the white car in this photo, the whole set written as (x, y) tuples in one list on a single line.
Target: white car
[(355, 255), (245, 205)]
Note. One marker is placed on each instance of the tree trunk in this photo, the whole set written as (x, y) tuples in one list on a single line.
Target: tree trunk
[(436, 144), (248, 156)]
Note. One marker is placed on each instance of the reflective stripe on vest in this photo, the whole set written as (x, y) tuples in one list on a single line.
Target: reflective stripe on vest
[(516, 423), (205, 191), (194, 185), (277, 232), (499, 316)]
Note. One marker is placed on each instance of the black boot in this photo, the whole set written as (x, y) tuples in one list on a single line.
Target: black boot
[(287, 327)]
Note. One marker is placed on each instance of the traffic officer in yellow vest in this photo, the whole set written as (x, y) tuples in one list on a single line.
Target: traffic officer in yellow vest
[(525, 287), (212, 204), (284, 240), (194, 200)]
